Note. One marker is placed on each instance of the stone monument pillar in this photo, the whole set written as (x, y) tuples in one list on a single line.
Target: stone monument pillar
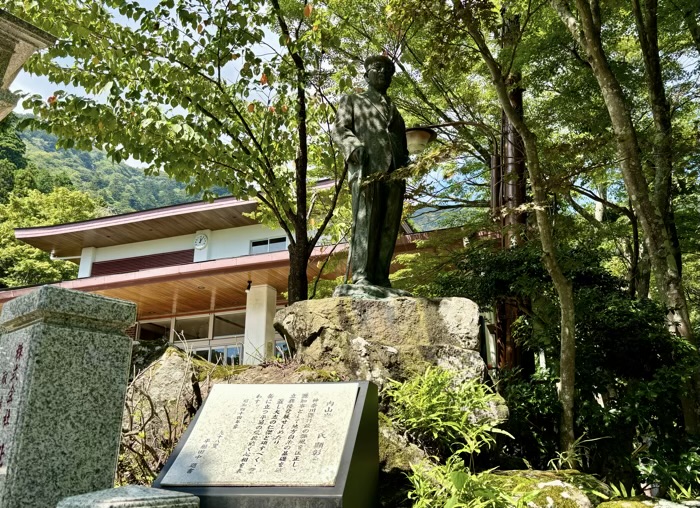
[(18, 40), (64, 368)]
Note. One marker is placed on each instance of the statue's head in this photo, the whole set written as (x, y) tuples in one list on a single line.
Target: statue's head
[(379, 70)]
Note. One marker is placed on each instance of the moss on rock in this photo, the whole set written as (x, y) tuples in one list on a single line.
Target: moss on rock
[(395, 452), (377, 340), (640, 502), (627, 503), (396, 455), (540, 489)]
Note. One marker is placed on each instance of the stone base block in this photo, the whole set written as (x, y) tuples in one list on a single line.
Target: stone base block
[(132, 496)]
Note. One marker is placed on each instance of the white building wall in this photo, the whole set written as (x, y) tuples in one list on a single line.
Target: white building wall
[(224, 243), (203, 254), (234, 242)]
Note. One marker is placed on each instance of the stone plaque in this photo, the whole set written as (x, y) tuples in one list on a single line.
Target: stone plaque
[(273, 445), (267, 435)]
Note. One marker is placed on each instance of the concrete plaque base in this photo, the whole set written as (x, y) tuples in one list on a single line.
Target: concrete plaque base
[(260, 446)]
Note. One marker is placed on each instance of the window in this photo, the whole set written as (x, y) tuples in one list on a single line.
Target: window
[(192, 328), (155, 330), (281, 350), (234, 354), (202, 352), (218, 355), (229, 325), (269, 245), (221, 355), (225, 346)]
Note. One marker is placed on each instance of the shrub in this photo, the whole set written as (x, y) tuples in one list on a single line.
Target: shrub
[(453, 486), (678, 478), (442, 416)]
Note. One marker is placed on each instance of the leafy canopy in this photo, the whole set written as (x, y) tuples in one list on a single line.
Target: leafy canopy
[(207, 91), (20, 263)]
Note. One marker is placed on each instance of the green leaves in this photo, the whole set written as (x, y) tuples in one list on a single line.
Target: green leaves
[(442, 414), (452, 485), (21, 264)]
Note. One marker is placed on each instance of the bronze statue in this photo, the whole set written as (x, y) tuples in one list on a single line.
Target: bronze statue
[(372, 135)]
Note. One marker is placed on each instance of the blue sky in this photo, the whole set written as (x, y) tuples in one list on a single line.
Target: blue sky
[(28, 83)]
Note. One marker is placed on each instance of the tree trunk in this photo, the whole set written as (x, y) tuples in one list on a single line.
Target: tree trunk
[(645, 13), (298, 284), (565, 292), (514, 174), (635, 250), (562, 285), (600, 205), (644, 271), (690, 15)]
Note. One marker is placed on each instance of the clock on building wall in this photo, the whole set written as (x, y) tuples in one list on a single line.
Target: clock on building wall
[(200, 241)]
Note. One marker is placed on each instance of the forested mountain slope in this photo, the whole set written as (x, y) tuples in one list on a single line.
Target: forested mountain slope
[(122, 188)]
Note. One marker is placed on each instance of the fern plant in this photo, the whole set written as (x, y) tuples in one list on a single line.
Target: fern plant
[(452, 485), (442, 416)]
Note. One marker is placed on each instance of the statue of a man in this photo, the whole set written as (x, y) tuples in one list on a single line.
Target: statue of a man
[(372, 135)]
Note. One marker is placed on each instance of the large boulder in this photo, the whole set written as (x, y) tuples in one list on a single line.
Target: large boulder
[(549, 489), (160, 402), (644, 502), (397, 455), (379, 339), (144, 353)]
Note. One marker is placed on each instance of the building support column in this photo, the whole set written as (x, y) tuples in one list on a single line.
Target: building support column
[(259, 342), (87, 258)]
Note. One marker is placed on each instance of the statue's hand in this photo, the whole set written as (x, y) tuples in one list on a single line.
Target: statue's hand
[(358, 156)]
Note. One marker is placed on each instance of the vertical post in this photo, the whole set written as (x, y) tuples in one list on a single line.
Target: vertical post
[(511, 193), (259, 334), (64, 368), (87, 258), (514, 169), (496, 180)]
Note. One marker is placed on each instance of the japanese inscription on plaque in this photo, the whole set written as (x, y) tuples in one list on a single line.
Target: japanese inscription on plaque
[(267, 435), (11, 378)]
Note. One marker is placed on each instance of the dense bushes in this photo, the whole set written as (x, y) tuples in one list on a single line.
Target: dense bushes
[(452, 422), (630, 371)]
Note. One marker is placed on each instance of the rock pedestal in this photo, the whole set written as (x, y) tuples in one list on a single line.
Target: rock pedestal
[(64, 368), (394, 338)]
